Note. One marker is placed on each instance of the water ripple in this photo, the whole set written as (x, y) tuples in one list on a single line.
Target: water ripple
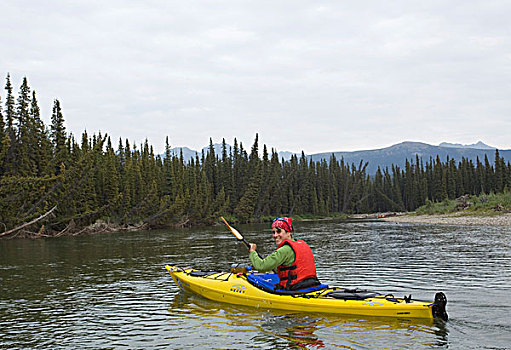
[(111, 291)]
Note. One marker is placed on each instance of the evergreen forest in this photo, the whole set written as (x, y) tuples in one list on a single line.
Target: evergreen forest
[(53, 182)]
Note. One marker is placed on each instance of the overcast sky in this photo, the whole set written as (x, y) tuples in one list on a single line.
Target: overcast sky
[(316, 76)]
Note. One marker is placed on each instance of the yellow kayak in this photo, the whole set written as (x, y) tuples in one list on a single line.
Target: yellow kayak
[(256, 290)]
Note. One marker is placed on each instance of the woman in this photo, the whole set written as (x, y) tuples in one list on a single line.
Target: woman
[(293, 258)]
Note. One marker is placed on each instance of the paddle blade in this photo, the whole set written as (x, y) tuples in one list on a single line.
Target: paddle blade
[(233, 230)]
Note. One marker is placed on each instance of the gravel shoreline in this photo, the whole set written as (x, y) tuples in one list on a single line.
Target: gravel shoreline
[(453, 219)]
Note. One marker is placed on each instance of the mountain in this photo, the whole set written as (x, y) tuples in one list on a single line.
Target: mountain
[(399, 153), (385, 157), (479, 145), (189, 153), (286, 155)]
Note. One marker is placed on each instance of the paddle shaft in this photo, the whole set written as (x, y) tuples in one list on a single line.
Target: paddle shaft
[(239, 236), (244, 241), (248, 246)]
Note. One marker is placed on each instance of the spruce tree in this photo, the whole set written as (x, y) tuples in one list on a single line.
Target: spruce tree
[(263, 199), (378, 205), (507, 182), (27, 144), (422, 182), (9, 110), (58, 137), (439, 183), (109, 187), (11, 140), (409, 189), (275, 185), (127, 182), (3, 141), (236, 175), (40, 142), (2, 122), (499, 173), (489, 175), (246, 205), (225, 174), (312, 179), (211, 168), (334, 172), (167, 169), (245, 209), (451, 178), (481, 185), (397, 182)]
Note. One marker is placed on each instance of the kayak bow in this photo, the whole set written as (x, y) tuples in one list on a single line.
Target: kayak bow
[(248, 288)]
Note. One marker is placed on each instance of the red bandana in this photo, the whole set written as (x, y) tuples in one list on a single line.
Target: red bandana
[(283, 223)]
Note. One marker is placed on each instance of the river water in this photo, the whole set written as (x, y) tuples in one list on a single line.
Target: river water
[(112, 291)]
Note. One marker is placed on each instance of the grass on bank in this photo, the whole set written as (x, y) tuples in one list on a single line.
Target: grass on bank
[(487, 204)]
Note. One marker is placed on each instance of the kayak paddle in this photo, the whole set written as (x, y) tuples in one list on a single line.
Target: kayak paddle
[(239, 236), (236, 233)]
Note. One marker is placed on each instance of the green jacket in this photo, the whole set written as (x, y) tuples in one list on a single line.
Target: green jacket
[(282, 256)]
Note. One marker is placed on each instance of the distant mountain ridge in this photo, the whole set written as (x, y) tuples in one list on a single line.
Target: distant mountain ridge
[(399, 153), (190, 153), (185, 151), (478, 145), (386, 157)]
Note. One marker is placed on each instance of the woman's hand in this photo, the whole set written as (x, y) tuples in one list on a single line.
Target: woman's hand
[(253, 247)]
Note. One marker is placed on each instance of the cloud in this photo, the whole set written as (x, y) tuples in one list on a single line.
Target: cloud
[(304, 75)]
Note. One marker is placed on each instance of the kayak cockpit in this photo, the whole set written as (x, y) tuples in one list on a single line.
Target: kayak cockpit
[(268, 281)]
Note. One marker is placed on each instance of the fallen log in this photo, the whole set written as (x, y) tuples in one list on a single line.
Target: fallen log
[(28, 223)]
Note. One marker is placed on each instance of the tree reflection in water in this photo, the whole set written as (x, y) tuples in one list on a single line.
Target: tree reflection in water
[(278, 329)]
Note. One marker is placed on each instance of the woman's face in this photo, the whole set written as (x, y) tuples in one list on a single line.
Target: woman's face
[(280, 235)]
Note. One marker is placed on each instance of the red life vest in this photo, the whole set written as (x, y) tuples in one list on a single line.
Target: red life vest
[(303, 267)]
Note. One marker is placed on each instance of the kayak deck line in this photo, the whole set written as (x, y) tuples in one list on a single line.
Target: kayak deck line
[(237, 288)]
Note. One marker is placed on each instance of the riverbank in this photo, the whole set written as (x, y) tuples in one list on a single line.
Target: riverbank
[(453, 219), (460, 218)]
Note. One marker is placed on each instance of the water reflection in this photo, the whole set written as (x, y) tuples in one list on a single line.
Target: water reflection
[(112, 291), (280, 329)]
